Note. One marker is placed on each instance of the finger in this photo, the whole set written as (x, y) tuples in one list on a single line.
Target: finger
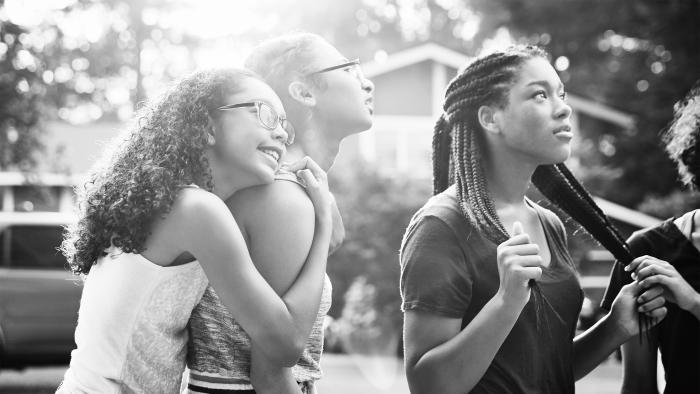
[(298, 165), (522, 249), (517, 228), (655, 280), (657, 314), (650, 294), (526, 261), (309, 179), (631, 267), (531, 273), (517, 240), (656, 303), (315, 169), (653, 270)]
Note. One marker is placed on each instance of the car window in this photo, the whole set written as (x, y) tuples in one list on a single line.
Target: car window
[(29, 246)]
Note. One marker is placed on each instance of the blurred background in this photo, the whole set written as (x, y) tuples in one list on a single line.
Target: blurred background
[(72, 72)]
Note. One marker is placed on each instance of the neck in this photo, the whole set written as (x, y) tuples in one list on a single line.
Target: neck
[(317, 144), (508, 177)]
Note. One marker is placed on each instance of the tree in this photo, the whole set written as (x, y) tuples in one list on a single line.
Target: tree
[(21, 90)]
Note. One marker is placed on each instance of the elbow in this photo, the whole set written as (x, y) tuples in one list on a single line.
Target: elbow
[(427, 380), (288, 353)]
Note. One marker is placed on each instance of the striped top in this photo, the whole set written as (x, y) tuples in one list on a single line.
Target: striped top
[(218, 354)]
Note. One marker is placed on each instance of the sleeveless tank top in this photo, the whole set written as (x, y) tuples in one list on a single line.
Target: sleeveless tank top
[(132, 325), (218, 354)]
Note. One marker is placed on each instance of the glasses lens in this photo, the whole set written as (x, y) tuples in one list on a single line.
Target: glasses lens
[(268, 116), (287, 126)]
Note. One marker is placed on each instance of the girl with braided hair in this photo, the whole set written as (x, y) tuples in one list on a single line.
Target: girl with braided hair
[(154, 231), (670, 257), (485, 310)]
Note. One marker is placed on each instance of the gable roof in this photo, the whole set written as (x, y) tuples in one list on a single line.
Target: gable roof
[(450, 58)]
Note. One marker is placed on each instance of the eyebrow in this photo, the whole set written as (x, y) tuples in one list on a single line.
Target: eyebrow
[(545, 83)]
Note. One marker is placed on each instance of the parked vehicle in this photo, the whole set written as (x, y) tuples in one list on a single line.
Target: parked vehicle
[(39, 297)]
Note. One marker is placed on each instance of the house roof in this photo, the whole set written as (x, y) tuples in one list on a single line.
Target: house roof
[(448, 57)]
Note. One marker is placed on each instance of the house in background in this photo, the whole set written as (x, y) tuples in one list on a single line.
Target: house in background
[(409, 89)]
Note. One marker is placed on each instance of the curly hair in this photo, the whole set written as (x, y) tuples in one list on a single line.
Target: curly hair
[(138, 179), (282, 60), (457, 146), (681, 137)]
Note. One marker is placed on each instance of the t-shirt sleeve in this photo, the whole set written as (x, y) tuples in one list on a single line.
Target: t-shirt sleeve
[(434, 273)]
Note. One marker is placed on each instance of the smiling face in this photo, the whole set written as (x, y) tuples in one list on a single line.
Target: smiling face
[(344, 97), (244, 151), (535, 123)]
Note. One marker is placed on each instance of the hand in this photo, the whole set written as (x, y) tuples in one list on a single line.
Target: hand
[(338, 232), (625, 308), (316, 182), (269, 378), (518, 263), (650, 271)]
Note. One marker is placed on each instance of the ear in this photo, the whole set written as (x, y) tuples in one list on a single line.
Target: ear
[(300, 92), (489, 119)]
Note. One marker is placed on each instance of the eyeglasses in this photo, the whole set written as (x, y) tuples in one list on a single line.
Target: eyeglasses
[(352, 67), (267, 116)]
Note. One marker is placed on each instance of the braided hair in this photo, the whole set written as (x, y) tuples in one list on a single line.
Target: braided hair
[(457, 143)]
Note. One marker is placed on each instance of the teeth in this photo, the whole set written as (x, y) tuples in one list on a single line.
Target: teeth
[(271, 153)]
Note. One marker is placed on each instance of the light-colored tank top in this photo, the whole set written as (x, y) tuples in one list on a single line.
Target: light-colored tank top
[(132, 326)]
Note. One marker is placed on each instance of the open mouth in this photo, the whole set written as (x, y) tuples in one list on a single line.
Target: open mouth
[(369, 103), (274, 153)]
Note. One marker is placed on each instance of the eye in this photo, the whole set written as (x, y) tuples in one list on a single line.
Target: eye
[(540, 95), (563, 96)]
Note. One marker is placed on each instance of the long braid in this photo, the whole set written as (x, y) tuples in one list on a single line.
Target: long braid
[(561, 188), (441, 155)]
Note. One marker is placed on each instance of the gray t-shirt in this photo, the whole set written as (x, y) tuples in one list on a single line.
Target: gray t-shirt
[(450, 269)]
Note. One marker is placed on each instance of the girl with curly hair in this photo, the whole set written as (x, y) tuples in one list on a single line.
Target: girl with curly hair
[(669, 257), (327, 99), (154, 231), (492, 311)]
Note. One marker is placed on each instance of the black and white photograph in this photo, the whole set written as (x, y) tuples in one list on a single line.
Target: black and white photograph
[(349, 196)]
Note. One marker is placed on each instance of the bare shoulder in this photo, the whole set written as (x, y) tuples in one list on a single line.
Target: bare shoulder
[(277, 199), (194, 212)]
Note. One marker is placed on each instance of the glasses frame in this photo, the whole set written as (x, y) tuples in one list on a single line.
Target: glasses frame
[(355, 62), (279, 119)]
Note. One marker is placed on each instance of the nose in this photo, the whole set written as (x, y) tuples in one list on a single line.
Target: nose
[(563, 111), (280, 134), (367, 85)]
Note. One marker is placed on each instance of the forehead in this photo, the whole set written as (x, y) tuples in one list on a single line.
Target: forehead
[(538, 69), (255, 89), (325, 54)]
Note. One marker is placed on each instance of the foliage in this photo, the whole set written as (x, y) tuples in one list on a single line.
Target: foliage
[(21, 90), (376, 210)]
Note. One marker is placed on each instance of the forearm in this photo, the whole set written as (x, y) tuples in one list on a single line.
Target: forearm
[(695, 308), (594, 345), (304, 296), (458, 364), (268, 378), (639, 366)]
